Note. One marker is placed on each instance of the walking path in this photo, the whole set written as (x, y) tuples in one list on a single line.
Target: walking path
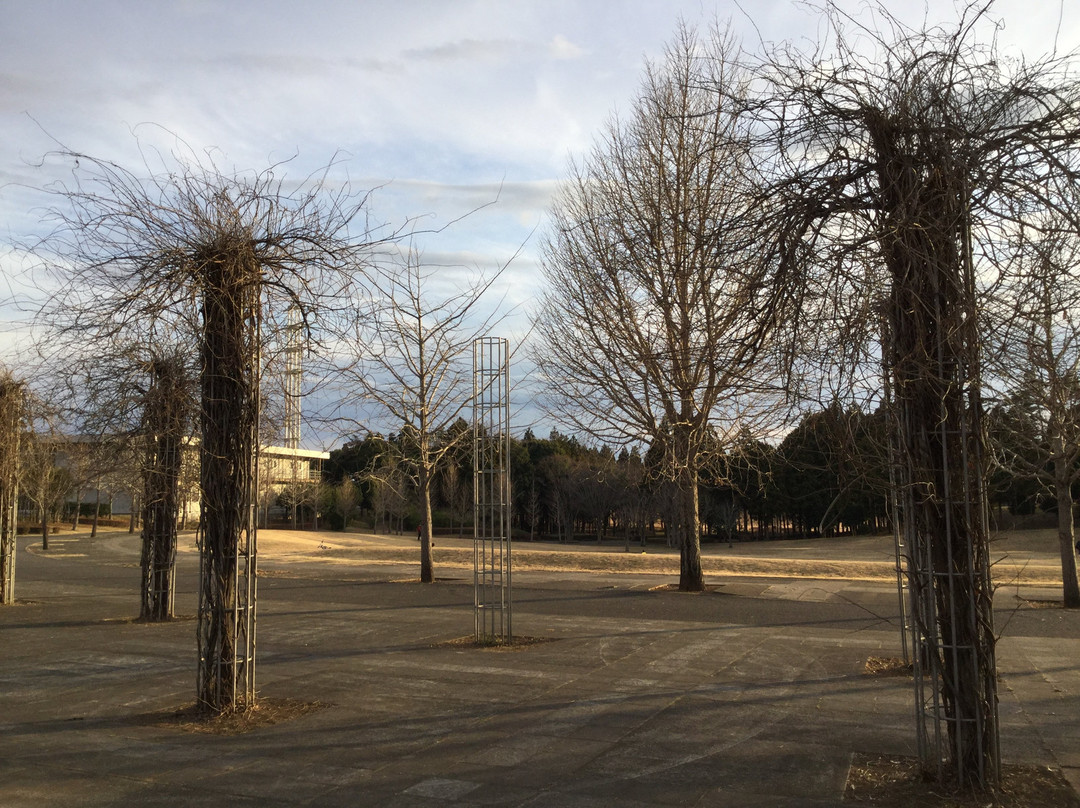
[(750, 695)]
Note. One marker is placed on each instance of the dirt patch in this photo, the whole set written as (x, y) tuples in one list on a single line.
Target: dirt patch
[(268, 573), (1031, 603), (887, 666), (264, 713), (141, 621), (891, 781), (493, 643)]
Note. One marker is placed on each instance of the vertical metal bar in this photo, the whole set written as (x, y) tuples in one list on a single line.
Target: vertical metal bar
[(477, 531), (507, 490), (11, 407), (251, 542), (900, 546)]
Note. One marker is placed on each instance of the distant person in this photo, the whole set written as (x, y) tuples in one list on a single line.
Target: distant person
[(419, 535)]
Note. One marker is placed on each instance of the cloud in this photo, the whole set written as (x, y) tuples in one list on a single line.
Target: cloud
[(450, 106), (468, 51), (562, 48)]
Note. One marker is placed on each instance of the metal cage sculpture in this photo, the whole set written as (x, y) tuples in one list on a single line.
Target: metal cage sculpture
[(229, 472), (491, 490), (943, 544), (947, 570)]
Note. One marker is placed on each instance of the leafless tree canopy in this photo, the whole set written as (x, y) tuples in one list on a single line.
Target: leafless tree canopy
[(1034, 370), (660, 302), (410, 368)]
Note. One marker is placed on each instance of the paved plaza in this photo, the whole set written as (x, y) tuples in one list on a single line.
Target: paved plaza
[(753, 694)]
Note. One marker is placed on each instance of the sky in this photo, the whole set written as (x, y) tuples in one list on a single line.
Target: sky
[(442, 106)]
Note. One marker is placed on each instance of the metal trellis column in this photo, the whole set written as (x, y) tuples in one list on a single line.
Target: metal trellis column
[(491, 490)]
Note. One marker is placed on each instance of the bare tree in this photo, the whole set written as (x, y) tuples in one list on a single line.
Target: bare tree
[(1035, 355), (390, 490), (456, 492), (91, 458), (43, 480), (79, 463), (554, 473), (166, 416), (531, 508), (658, 312), (229, 253), (134, 401), (901, 157), (415, 348), (125, 477), (344, 497)]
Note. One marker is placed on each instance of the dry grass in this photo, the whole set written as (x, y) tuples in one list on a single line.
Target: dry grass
[(366, 549), (889, 781), (271, 573)]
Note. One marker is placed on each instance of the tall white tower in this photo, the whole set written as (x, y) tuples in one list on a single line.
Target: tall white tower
[(293, 344)]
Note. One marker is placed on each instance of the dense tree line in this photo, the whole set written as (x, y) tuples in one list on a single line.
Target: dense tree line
[(828, 476)]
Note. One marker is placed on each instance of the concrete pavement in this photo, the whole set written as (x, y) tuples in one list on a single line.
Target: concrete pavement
[(750, 695)]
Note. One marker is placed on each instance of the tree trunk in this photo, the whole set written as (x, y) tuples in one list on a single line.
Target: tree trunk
[(691, 577), (164, 422), (44, 528), (1066, 533), (427, 569), (97, 512), (686, 521)]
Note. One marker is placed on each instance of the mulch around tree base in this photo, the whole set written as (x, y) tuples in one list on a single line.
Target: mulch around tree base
[(887, 666), (890, 781), (493, 643), (264, 713)]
